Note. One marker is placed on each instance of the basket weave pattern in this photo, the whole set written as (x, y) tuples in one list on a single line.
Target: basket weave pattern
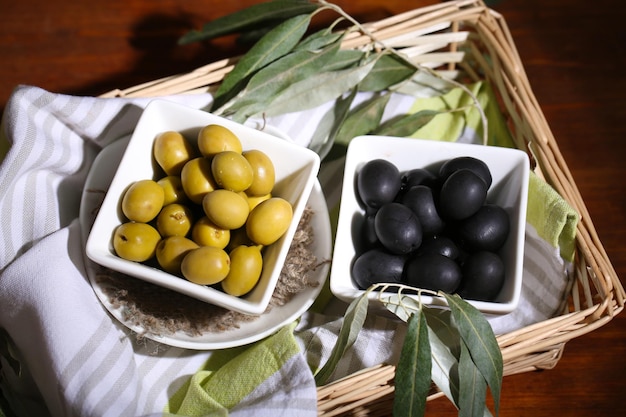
[(470, 42)]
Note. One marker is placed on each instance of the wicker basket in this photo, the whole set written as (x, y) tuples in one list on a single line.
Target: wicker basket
[(432, 36)]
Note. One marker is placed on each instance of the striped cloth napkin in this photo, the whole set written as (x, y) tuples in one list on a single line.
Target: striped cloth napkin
[(62, 354)]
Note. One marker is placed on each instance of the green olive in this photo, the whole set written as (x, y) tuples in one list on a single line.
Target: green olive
[(205, 233), (263, 170), (227, 209), (205, 265), (269, 221), (173, 188), (239, 237), (171, 251), (197, 179), (135, 241), (174, 220), (246, 264), (143, 200), (213, 139), (171, 151), (254, 201), (232, 171)]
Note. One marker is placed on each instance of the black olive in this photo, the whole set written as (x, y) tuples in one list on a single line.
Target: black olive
[(483, 276), (419, 176), (475, 165), (378, 183), (368, 233), (441, 245), (376, 266), (433, 272), (398, 228), (420, 199), (487, 229), (462, 194)]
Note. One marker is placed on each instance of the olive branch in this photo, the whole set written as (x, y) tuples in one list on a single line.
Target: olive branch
[(289, 70)]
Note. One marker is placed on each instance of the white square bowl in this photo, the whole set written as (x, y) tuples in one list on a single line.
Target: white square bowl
[(296, 173), (510, 172)]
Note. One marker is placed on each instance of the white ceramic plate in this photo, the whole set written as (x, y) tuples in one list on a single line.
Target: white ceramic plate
[(100, 177)]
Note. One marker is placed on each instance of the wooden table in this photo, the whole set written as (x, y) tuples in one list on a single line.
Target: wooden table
[(574, 53)]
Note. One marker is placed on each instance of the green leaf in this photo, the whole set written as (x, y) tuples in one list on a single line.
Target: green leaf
[(480, 341), (472, 387), (413, 373), (424, 84), (250, 18), (250, 37), (443, 340), (441, 322), (315, 91), (268, 82), (345, 58), (319, 40), (272, 46), (402, 305), (323, 138), (352, 325), (388, 71), (9, 352), (405, 126), (363, 119)]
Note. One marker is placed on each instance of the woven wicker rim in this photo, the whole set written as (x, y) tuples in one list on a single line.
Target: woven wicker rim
[(431, 36)]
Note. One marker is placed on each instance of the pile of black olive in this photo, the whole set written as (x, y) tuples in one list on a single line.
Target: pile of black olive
[(430, 228)]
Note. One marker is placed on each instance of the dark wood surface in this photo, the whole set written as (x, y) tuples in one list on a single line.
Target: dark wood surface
[(574, 53)]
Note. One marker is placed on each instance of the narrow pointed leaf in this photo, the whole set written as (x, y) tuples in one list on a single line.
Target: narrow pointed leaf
[(402, 305), (249, 18), (345, 58), (413, 373), (319, 40), (388, 71), (268, 82), (341, 60), (9, 352), (481, 343), (252, 36), (323, 138), (445, 364), (472, 387), (423, 85), (352, 325), (364, 119), (272, 46), (405, 126), (441, 322), (315, 91)]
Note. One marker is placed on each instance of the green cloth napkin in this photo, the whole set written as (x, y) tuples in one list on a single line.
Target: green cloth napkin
[(232, 374), (451, 126), (554, 219)]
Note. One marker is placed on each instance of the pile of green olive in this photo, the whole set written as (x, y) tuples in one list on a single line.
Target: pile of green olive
[(209, 212)]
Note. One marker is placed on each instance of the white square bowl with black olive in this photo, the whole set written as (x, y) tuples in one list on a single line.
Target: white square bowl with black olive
[(396, 249)]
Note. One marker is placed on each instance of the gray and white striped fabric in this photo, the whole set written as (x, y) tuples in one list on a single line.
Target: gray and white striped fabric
[(68, 356)]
